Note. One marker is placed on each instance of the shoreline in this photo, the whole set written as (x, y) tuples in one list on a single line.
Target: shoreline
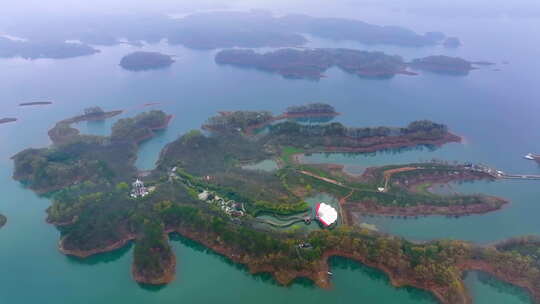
[(399, 143), (150, 135), (169, 270), (251, 129), (318, 274), (69, 131), (370, 208)]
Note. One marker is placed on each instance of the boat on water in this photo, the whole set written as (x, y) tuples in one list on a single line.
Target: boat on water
[(531, 156)]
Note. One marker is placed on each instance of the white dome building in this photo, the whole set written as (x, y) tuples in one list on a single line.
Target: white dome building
[(326, 214)]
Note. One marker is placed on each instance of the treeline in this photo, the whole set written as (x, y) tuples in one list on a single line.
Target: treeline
[(311, 108), (152, 257), (86, 159), (432, 264), (237, 120), (201, 155), (139, 127), (419, 129)]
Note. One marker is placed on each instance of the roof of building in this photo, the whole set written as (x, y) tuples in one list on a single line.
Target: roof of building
[(326, 214)]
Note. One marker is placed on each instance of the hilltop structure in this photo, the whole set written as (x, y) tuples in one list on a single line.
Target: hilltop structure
[(138, 189)]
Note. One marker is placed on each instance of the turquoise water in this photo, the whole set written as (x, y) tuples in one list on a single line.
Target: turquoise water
[(496, 112), (265, 165)]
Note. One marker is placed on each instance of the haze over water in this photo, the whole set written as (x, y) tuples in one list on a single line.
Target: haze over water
[(495, 111)]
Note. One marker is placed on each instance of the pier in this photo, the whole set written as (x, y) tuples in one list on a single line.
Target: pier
[(521, 176), (498, 174)]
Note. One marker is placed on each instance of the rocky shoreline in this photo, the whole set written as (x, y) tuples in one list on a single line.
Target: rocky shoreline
[(167, 269), (375, 144), (318, 273), (514, 279), (63, 130), (80, 253)]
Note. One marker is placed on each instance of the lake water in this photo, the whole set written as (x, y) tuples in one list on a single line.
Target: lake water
[(496, 113)]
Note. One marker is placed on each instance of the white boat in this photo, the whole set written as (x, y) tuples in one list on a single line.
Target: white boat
[(530, 156)]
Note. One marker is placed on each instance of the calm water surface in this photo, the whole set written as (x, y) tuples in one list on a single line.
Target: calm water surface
[(496, 112)]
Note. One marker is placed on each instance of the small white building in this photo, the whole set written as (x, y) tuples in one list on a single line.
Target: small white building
[(203, 196)]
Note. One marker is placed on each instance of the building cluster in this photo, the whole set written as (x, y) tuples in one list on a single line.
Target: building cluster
[(230, 207), (485, 169)]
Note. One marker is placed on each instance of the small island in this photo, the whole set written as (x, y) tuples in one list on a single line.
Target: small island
[(37, 50), (312, 63), (443, 64), (35, 103), (3, 220), (141, 61), (7, 120), (200, 190)]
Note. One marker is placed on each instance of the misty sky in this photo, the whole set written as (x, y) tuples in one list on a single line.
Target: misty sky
[(344, 8)]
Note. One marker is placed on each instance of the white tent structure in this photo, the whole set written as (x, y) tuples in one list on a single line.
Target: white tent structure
[(326, 214)]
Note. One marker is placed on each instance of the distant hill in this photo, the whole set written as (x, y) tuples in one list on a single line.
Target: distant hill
[(222, 29), (311, 63)]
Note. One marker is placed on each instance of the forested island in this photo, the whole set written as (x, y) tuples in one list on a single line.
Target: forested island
[(443, 64), (3, 220), (200, 191), (312, 63), (37, 50), (7, 120), (140, 61)]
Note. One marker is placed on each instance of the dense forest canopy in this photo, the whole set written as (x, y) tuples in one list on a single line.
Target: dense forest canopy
[(139, 61), (311, 63), (316, 107), (423, 128)]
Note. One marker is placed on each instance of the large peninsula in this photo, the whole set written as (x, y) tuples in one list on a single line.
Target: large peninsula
[(220, 29), (200, 190), (312, 63)]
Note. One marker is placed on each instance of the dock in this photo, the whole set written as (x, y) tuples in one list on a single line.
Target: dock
[(498, 174), (521, 176)]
